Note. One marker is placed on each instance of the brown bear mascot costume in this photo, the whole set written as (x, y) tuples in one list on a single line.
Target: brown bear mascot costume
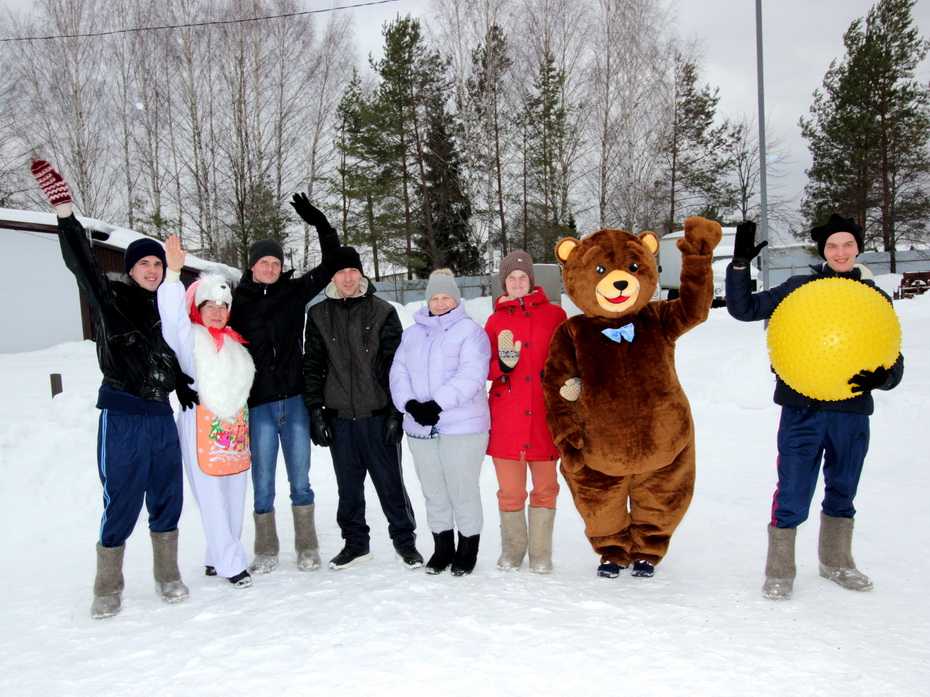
[(615, 407)]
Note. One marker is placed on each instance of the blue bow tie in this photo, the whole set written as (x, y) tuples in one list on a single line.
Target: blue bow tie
[(618, 335)]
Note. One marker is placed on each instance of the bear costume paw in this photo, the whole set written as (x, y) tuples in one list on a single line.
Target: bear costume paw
[(570, 390), (701, 236)]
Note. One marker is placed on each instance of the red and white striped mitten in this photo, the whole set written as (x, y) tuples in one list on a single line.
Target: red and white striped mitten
[(53, 185)]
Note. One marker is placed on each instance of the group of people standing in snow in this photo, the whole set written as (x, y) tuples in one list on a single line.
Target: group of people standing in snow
[(255, 371)]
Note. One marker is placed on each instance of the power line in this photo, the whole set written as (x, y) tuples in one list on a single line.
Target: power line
[(194, 24)]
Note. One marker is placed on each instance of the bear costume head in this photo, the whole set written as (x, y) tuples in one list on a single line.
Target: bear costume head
[(611, 273)]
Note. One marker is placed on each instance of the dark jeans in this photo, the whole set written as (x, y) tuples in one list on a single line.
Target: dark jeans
[(359, 449), (138, 459), (805, 436)]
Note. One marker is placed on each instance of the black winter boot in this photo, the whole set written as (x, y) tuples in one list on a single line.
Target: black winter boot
[(466, 555), (443, 552)]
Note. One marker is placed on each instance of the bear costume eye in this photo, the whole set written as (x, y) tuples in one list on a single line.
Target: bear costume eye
[(600, 269), (634, 268)]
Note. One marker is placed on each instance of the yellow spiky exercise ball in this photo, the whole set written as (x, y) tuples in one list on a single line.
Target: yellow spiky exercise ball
[(826, 331)]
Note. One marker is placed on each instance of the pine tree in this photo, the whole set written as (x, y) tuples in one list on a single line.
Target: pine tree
[(450, 205), (695, 150), (869, 130), (490, 63), (546, 209)]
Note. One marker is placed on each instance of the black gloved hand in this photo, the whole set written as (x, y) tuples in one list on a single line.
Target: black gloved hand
[(186, 396), (866, 380), (393, 428), (745, 248), (320, 432), (424, 413), (308, 212)]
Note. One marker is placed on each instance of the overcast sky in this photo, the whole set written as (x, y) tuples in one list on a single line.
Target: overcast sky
[(801, 37)]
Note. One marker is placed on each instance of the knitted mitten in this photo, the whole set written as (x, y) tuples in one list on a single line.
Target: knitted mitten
[(53, 185)]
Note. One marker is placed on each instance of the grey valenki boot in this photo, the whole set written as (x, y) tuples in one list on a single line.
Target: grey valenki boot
[(168, 583), (779, 565), (835, 552), (541, 522), (305, 541), (108, 585), (266, 544), (513, 540)]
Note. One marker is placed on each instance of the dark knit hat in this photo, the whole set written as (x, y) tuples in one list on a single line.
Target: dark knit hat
[(344, 258), (837, 223), (139, 249), (517, 260), (265, 248)]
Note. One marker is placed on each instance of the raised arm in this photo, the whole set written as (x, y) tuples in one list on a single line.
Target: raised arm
[(172, 307), (319, 276), (692, 305)]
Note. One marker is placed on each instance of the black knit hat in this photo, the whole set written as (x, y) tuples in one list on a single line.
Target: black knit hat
[(139, 249), (837, 223), (344, 258), (265, 248)]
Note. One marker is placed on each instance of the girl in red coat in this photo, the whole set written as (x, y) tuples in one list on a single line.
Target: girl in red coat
[(520, 330)]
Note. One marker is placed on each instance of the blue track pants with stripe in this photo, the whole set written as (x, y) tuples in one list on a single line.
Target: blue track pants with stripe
[(138, 459)]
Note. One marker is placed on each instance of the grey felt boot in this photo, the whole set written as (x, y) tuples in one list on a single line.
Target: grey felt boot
[(835, 551), (168, 583), (541, 522), (305, 541), (108, 585), (513, 540), (779, 566), (266, 544)]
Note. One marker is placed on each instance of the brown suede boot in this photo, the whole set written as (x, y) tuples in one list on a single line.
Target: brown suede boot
[(305, 541), (266, 544), (513, 540), (108, 585), (541, 522), (779, 565), (835, 552), (168, 583)]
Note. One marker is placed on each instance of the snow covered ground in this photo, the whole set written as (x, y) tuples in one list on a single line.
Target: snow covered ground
[(700, 627)]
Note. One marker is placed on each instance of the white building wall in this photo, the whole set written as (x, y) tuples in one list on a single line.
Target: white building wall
[(39, 299)]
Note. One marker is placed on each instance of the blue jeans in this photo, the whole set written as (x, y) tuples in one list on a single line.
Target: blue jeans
[(288, 420), (805, 438)]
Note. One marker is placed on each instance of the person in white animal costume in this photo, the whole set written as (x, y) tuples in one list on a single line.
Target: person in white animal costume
[(215, 435)]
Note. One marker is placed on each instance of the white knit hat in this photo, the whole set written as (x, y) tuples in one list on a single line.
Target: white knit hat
[(443, 281), (210, 287)]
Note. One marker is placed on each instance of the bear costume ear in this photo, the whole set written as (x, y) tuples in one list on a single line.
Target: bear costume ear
[(650, 241), (564, 247)]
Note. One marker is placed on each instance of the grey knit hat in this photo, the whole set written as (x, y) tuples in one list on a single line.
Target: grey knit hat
[(517, 260), (443, 281)]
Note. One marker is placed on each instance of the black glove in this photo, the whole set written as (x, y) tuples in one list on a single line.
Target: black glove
[(182, 388), (320, 432), (393, 428), (745, 248), (308, 212), (866, 380), (424, 413)]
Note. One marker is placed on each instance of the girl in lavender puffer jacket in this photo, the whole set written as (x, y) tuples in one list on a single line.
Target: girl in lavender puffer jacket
[(438, 379)]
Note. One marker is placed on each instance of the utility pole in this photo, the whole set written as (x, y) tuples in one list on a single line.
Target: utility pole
[(763, 158)]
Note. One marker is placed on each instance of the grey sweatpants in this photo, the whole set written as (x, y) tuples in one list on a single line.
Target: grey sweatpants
[(448, 467)]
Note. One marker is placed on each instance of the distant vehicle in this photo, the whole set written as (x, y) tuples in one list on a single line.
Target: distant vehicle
[(670, 265)]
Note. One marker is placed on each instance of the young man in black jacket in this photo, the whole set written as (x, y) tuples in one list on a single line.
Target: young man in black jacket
[(138, 453), (811, 430), (351, 340), (269, 309)]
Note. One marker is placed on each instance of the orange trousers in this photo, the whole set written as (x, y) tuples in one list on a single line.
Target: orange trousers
[(511, 480)]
